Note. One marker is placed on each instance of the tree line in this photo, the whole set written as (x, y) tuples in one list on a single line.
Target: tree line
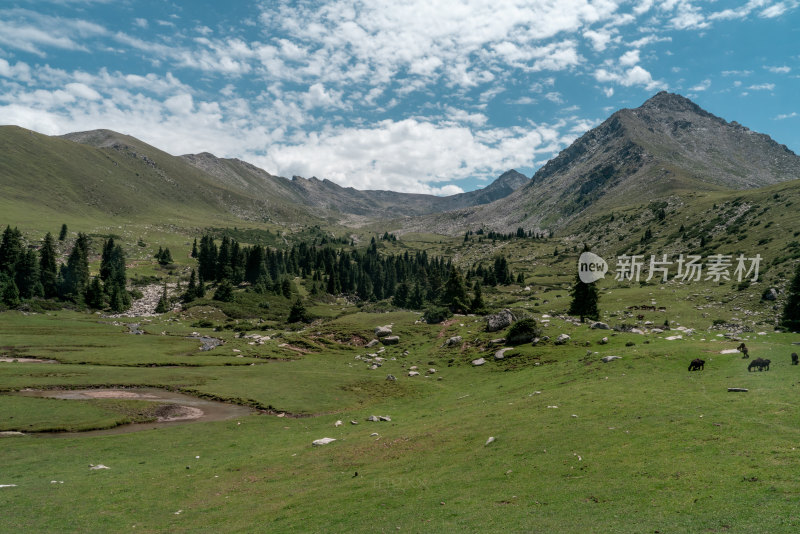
[(410, 280), (27, 273)]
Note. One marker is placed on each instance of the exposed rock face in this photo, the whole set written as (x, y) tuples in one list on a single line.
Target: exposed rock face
[(500, 320), (601, 326), (561, 339), (667, 144)]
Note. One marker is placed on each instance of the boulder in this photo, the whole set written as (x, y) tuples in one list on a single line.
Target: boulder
[(562, 339), (479, 361), (391, 377), (453, 341), (371, 344), (413, 373), (600, 326), (498, 341), (500, 320), (391, 340), (384, 418), (607, 359), (353, 422), (770, 294), (603, 341), (373, 418), (431, 371), (383, 331), (337, 423), (489, 441), (500, 354), (323, 441)]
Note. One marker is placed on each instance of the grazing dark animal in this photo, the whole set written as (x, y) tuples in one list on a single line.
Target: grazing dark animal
[(760, 364), (794, 358), (697, 364), (743, 349)]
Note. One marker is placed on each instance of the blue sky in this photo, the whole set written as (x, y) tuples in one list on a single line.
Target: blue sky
[(417, 96)]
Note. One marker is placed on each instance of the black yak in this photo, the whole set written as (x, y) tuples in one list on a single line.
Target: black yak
[(794, 358), (696, 364), (760, 364)]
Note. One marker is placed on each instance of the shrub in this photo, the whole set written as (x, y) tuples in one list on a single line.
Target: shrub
[(523, 331), (435, 314)]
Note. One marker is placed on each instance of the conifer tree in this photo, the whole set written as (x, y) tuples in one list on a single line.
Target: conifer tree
[(94, 294), (191, 288), (584, 300), (224, 292), (477, 305), (75, 275), (298, 312), (62, 235), (48, 271), (10, 296), (455, 292), (163, 302)]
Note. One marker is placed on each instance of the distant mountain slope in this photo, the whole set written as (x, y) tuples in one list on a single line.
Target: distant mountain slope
[(327, 197), (668, 145)]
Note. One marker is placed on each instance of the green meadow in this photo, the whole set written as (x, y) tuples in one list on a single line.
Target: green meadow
[(638, 444)]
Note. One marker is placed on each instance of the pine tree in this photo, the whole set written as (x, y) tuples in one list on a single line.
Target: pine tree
[(401, 295), (194, 248), (584, 300), (75, 275), (224, 292), (455, 292), (10, 296), (11, 251), (27, 276), (477, 305), (191, 288), (791, 311), (298, 313), (48, 271), (94, 294), (416, 300), (62, 235), (163, 302)]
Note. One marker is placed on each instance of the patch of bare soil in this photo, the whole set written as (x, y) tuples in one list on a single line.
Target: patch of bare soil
[(178, 412), (117, 394)]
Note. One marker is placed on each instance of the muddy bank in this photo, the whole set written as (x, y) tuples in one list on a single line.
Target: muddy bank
[(177, 408)]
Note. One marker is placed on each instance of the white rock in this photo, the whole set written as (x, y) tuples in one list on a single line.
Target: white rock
[(98, 466), (413, 373), (337, 423), (323, 441), (479, 361), (490, 440), (607, 359)]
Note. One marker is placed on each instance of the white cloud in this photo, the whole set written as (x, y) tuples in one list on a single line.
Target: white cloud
[(629, 58), (784, 116), (634, 76), (762, 87), (702, 86), (140, 22), (599, 39), (775, 10), (81, 90), (779, 70)]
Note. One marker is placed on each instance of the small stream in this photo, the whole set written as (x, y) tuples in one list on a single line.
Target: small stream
[(182, 409)]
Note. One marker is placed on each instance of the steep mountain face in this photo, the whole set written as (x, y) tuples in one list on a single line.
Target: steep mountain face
[(669, 145), (346, 204)]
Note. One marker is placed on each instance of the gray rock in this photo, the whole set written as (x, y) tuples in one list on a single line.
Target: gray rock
[(603, 341), (391, 377), (391, 340), (353, 422), (373, 418), (383, 331), (637, 331), (490, 440), (385, 418), (770, 294), (453, 341), (600, 326), (479, 361), (500, 320), (323, 441), (500, 354), (657, 330), (607, 359), (562, 339), (431, 371), (413, 373), (371, 344), (498, 341)]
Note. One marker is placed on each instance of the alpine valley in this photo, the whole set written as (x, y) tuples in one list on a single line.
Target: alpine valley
[(191, 343)]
